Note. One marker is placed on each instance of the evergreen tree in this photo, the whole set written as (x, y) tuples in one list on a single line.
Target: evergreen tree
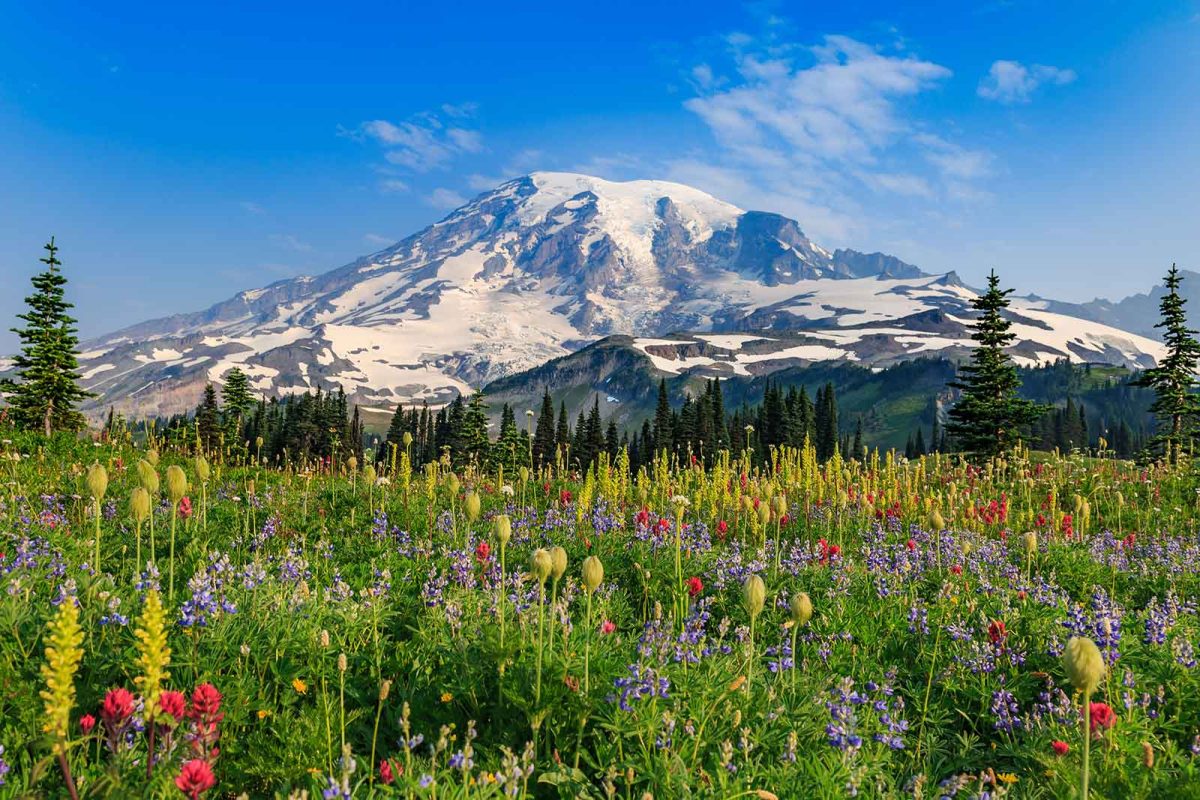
[(826, 422), (236, 397), (474, 447), (511, 448), (46, 387), (357, 434), (562, 430), (612, 439), (208, 420), (395, 436), (988, 418), (579, 442), (663, 420), (1175, 405), (543, 436)]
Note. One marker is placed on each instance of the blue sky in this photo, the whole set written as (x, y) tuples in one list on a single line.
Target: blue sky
[(182, 152)]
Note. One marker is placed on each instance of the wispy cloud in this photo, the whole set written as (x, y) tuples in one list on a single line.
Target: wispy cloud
[(422, 143), (813, 130), (289, 242), (252, 208), (1011, 82), (376, 239), (444, 198)]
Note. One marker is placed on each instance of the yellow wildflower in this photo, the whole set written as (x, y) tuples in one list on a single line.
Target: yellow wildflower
[(447, 697), (300, 686), (153, 653), (263, 713), (63, 654), (1006, 777)]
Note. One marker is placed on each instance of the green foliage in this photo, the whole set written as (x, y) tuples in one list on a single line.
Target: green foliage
[(1176, 404), (46, 389), (989, 417)]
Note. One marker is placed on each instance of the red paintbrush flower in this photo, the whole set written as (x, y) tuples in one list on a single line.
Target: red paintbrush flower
[(173, 703), (195, 778), (117, 706)]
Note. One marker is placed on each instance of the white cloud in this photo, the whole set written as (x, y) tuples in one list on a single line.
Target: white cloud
[(954, 161), (1011, 82), (392, 185), (376, 239), (252, 208), (842, 108), (817, 132), (445, 198), (422, 143)]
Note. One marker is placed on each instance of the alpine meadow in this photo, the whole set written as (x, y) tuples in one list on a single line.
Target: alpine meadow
[(608, 480)]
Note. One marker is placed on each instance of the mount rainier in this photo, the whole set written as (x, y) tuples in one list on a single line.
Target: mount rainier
[(550, 262)]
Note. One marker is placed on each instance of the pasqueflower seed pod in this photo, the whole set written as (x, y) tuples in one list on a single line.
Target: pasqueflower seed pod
[(754, 595), (1084, 664), (152, 457), (1029, 539), (177, 483), (593, 573), (139, 504), (801, 607), (558, 562), (541, 564), (471, 507), (97, 481), (936, 521), (764, 513), (148, 476), (369, 475), (502, 527)]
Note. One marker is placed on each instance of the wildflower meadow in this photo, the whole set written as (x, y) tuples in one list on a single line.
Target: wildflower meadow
[(178, 625)]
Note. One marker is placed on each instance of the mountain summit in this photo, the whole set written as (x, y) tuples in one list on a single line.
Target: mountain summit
[(541, 266)]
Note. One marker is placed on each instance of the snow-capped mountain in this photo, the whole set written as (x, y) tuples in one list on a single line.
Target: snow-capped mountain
[(547, 263)]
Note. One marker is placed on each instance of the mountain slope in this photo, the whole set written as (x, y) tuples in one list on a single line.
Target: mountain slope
[(1137, 313), (540, 267)]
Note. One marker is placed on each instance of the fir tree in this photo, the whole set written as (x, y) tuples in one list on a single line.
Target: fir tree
[(826, 422), (562, 431), (988, 418), (543, 435), (1175, 404), (46, 388), (612, 439), (208, 420), (236, 397), (663, 420), (474, 439)]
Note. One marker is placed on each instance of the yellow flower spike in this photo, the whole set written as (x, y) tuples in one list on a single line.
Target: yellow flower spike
[(63, 654), (154, 656)]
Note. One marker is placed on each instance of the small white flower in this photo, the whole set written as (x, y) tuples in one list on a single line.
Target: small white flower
[(507, 489)]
